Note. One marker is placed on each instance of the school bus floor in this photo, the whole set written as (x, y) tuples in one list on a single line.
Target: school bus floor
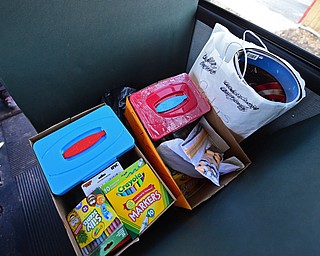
[(29, 222)]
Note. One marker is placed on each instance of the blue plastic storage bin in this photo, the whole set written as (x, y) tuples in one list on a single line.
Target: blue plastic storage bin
[(81, 149)]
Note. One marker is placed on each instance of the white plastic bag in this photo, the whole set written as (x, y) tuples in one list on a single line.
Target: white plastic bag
[(217, 72)]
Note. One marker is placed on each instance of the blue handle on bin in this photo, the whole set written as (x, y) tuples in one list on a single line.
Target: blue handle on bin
[(171, 103)]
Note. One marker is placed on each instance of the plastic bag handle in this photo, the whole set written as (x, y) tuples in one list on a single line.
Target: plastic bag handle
[(245, 58), (253, 34), (244, 51)]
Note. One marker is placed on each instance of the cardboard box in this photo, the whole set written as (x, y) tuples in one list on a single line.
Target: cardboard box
[(148, 148), (65, 203)]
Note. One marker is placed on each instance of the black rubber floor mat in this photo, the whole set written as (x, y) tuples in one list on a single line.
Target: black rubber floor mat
[(17, 131), (30, 224), (13, 231), (46, 233)]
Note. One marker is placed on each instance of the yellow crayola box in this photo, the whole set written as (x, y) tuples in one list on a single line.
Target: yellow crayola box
[(95, 225), (139, 199)]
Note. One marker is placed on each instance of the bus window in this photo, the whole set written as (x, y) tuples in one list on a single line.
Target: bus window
[(297, 21)]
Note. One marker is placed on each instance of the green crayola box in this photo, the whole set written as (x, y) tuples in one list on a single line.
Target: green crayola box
[(95, 225), (139, 198)]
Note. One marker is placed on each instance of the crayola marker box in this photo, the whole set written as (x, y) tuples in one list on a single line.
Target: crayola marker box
[(139, 197), (96, 226)]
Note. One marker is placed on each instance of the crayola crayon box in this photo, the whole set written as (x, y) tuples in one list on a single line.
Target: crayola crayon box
[(96, 226), (138, 197)]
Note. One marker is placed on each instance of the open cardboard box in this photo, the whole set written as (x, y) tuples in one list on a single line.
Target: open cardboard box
[(148, 148), (65, 203)]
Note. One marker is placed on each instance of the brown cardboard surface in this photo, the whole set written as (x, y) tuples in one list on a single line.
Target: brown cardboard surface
[(147, 147), (209, 189), (60, 202)]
